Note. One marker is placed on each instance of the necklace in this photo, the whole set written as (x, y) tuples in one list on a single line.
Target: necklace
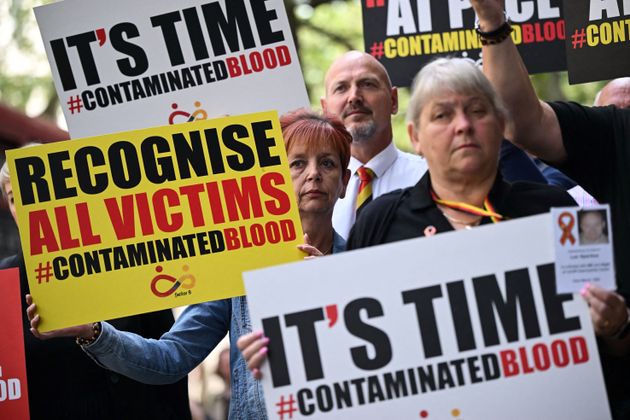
[(467, 225)]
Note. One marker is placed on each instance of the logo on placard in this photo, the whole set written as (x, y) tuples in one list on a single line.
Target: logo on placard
[(161, 282), (180, 116)]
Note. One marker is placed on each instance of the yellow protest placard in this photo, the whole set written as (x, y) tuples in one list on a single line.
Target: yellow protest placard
[(133, 222)]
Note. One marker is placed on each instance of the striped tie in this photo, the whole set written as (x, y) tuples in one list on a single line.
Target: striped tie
[(365, 187)]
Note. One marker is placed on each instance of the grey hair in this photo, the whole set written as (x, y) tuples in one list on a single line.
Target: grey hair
[(5, 176), (443, 75)]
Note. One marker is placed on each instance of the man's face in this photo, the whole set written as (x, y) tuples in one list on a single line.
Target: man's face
[(359, 93), (592, 226)]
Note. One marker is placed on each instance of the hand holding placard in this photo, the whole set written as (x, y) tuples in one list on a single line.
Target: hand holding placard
[(84, 330), (608, 310), (254, 348)]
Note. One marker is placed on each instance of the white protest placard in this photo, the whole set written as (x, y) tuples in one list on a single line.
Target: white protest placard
[(462, 325), (583, 245), (121, 65)]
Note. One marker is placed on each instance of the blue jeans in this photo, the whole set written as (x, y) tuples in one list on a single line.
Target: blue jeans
[(195, 334)]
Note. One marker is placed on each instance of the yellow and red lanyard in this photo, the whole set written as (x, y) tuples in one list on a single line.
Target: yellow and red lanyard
[(487, 209)]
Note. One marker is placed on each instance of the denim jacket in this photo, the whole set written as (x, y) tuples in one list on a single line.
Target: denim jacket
[(194, 335)]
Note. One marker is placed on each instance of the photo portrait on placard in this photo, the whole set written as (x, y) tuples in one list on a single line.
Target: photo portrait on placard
[(583, 248), (593, 227)]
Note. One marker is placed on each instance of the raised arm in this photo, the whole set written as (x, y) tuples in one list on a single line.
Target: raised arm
[(536, 127)]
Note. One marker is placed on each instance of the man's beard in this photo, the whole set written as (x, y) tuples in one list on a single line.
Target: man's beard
[(362, 132)]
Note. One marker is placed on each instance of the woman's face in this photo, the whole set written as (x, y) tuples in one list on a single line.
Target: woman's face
[(8, 189), (459, 135), (318, 178)]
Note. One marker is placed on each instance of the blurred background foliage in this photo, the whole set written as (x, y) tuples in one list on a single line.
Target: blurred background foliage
[(323, 29)]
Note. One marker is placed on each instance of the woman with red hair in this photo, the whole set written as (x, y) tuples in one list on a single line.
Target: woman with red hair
[(318, 148)]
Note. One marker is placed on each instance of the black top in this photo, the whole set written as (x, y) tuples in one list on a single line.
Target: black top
[(64, 383), (405, 214), (597, 141)]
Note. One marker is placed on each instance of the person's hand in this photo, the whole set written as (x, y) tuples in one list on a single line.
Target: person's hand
[(85, 330), (254, 348), (309, 249), (608, 310), (489, 13)]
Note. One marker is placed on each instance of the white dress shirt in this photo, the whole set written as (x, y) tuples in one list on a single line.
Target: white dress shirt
[(581, 197), (394, 169)]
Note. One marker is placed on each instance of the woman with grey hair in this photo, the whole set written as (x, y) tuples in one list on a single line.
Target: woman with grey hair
[(456, 121)]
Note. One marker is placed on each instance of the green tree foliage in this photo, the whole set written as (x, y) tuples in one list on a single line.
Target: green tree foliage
[(24, 73)]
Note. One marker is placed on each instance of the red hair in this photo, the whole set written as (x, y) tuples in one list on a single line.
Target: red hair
[(313, 129)]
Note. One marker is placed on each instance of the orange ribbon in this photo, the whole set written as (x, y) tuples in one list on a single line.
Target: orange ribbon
[(567, 228)]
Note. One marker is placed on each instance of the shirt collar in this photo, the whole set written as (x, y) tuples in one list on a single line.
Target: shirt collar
[(379, 164)]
